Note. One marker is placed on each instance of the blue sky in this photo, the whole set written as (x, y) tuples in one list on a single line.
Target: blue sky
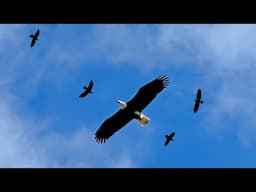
[(44, 123)]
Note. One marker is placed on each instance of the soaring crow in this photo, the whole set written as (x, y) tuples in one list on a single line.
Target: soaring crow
[(87, 89), (198, 100), (132, 109), (169, 138), (34, 38)]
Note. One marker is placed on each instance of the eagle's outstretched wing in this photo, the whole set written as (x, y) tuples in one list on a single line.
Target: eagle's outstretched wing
[(112, 125), (148, 92)]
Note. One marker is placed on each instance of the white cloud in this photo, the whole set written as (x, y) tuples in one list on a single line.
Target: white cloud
[(17, 143), (28, 139), (79, 149), (25, 143), (224, 54), (125, 162)]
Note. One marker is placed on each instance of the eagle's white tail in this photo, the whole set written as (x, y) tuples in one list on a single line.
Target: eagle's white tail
[(143, 119)]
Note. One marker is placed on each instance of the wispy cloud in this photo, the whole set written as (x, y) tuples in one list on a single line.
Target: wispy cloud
[(223, 56), (18, 144), (24, 144)]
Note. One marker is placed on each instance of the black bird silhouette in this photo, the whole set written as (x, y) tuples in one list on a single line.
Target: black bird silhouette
[(132, 109), (198, 100), (87, 89), (169, 138), (34, 38)]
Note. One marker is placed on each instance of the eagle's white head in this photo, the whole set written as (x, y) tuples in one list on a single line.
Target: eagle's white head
[(122, 104)]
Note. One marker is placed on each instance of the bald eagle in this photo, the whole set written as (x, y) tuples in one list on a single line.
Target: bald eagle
[(132, 109)]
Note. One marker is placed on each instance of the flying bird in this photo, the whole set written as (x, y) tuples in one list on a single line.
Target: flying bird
[(132, 109), (169, 138), (87, 89), (34, 38), (198, 100)]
